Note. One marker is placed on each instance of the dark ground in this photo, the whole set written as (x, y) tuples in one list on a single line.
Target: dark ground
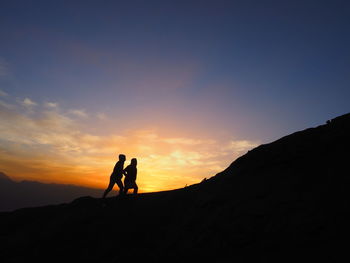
[(287, 201)]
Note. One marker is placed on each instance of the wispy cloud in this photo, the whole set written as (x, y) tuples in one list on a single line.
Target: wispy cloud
[(49, 145), (52, 105), (241, 145), (187, 141), (3, 93), (79, 113), (101, 116), (6, 105), (28, 103)]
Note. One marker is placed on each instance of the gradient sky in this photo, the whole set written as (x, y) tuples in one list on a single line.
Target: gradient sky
[(184, 86)]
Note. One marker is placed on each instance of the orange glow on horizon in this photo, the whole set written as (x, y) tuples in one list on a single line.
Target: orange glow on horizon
[(53, 146), (156, 172)]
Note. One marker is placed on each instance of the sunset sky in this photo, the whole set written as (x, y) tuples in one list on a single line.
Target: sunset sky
[(184, 86)]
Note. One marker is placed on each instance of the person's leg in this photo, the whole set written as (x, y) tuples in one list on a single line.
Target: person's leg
[(126, 190), (136, 188), (121, 186), (109, 188), (126, 186)]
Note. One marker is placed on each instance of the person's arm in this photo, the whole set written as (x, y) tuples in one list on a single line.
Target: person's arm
[(125, 171)]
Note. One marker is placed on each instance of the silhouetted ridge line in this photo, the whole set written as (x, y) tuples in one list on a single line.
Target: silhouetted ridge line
[(291, 148), (282, 202)]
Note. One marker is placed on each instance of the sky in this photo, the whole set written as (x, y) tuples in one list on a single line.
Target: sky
[(185, 87)]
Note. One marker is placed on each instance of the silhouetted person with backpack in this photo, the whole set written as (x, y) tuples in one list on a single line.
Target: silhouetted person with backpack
[(130, 173), (116, 176)]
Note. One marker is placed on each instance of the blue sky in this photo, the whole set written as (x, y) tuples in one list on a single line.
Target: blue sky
[(214, 70)]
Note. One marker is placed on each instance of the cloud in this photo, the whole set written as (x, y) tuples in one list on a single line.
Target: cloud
[(241, 145), (28, 103), (3, 93), (101, 116), (187, 141), (79, 113), (6, 105), (49, 145), (52, 105)]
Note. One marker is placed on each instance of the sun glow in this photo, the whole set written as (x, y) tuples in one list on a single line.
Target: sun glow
[(45, 143)]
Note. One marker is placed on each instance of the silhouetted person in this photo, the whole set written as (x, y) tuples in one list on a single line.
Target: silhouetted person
[(116, 176), (130, 173)]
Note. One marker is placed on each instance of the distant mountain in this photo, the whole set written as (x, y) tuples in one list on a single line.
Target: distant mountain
[(14, 195), (287, 201), (4, 177)]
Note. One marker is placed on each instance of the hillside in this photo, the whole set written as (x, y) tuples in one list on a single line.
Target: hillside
[(286, 201)]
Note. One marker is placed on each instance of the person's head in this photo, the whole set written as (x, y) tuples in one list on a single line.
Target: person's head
[(133, 161), (122, 157)]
